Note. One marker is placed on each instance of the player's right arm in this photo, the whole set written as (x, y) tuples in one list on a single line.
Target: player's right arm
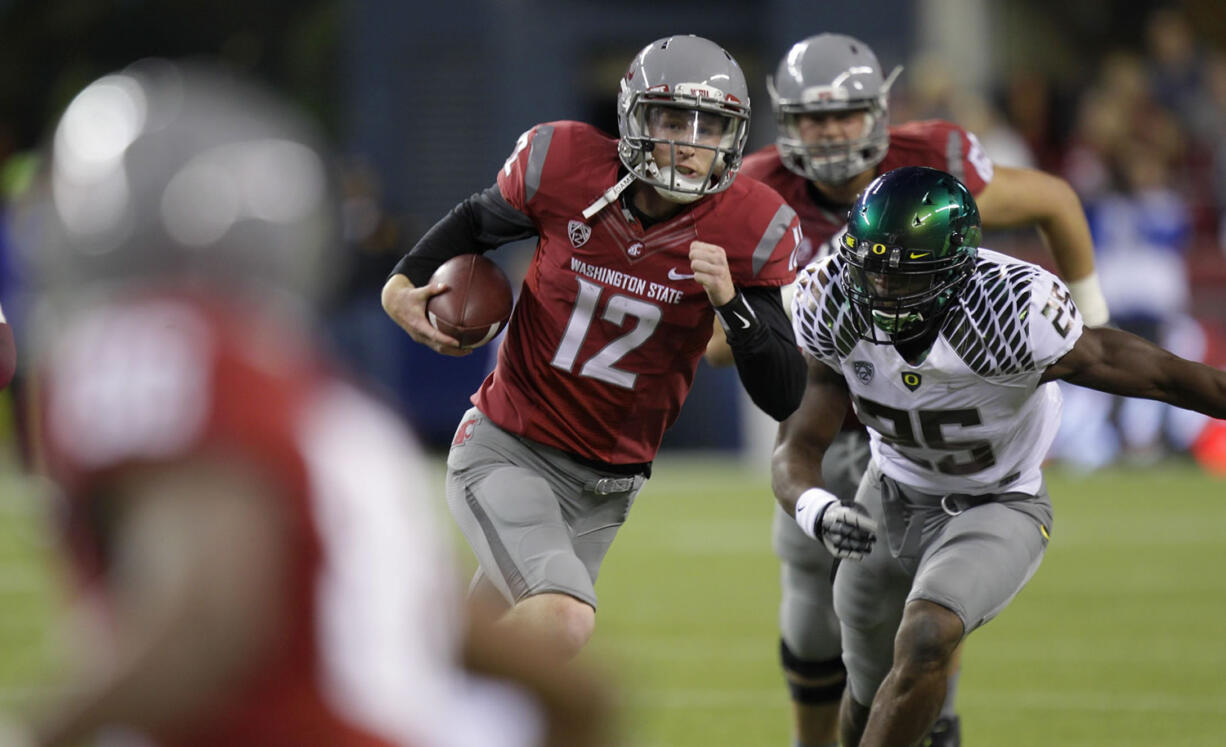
[(1117, 362), (803, 438), (1028, 197), (188, 620), (480, 223), (796, 467)]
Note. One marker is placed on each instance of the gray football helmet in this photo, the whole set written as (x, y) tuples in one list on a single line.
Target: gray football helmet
[(177, 172), (824, 74), (700, 89)]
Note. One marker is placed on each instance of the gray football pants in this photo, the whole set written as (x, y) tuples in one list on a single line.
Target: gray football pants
[(537, 520), (972, 563)]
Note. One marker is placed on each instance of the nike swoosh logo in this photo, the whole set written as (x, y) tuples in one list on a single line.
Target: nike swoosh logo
[(674, 275), (919, 255), (744, 322)]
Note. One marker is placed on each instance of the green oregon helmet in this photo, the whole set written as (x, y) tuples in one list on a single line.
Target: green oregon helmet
[(910, 245)]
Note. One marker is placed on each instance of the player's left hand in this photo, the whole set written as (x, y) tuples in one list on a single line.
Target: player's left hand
[(709, 263)]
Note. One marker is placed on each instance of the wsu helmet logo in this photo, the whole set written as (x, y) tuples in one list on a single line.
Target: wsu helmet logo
[(579, 233)]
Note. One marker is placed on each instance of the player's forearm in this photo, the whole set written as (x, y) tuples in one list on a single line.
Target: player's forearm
[(151, 679), (1065, 231), (482, 222), (769, 364), (1198, 387), (794, 469)]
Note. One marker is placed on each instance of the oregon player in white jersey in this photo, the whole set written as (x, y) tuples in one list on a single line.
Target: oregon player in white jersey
[(948, 353), (962, 418)]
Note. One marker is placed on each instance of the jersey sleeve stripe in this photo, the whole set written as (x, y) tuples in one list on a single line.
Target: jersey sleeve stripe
[(536, 161), (770, 238), (953, 155)]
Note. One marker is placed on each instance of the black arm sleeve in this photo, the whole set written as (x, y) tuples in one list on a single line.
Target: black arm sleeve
[(480, 223), (768, 361)]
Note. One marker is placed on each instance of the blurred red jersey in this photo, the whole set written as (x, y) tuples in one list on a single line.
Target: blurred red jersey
[(610, 324), (934, 143), (160, 379)]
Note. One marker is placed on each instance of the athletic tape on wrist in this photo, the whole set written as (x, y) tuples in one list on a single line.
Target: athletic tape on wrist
[(1088, 296), (809, 506)]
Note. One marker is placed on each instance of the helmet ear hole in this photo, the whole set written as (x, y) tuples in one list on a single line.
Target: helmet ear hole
[(955, 238)]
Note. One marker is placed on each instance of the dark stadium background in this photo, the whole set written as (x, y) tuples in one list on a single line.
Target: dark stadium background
[(425, 99)]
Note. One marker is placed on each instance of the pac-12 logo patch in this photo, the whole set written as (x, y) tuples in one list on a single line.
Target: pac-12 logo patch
[(579, 233), (911, 380), (864, 371)]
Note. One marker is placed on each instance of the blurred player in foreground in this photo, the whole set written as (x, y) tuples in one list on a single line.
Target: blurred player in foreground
[(949, 355), (831, 102), (259, 556), (642, 242)]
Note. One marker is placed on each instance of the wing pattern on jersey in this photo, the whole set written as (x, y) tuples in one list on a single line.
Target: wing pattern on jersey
[(824, 318), (991, 332)]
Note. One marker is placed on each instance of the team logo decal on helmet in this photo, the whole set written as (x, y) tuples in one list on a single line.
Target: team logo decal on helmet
[(910, 246), (831, 74)]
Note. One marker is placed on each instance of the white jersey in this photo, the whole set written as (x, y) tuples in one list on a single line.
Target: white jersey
[(971, 417)]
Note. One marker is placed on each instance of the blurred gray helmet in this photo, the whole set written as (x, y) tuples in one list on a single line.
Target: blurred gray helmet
[(183, 173), (823, 74), (697, 86)]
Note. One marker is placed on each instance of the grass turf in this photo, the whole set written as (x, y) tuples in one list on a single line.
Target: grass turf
[(1119, 640)]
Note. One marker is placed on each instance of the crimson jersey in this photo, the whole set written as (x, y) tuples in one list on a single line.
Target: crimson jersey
[(367, 635), (610, 324), (933, 143)]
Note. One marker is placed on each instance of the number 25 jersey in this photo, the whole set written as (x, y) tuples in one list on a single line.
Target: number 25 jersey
[(610, 323), (971, 417)]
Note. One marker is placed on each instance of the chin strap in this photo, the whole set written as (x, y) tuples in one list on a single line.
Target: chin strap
[(609, 196)]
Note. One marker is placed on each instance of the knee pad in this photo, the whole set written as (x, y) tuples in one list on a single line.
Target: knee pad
[(812, 682)]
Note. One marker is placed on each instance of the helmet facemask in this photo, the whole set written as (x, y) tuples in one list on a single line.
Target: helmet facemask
[(831, 75), (685, 144), (899, 299), (832, 162)]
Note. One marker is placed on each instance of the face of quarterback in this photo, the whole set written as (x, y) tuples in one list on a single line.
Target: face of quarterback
[(694, 136)]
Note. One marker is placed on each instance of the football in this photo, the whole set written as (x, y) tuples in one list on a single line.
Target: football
[(477, 303)]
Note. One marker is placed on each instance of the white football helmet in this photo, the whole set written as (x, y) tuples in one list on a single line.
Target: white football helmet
[(683, 92), (824, 74), (179, 172)]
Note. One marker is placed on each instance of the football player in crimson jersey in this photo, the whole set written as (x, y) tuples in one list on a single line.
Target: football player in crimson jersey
[(252, 534), (642, 242), (830, 100), (948, 353)]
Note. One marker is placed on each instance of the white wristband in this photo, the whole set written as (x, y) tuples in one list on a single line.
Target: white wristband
[(1088, 296), (809, 506)]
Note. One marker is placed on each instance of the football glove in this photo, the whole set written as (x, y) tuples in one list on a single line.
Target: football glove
[(845, 529)]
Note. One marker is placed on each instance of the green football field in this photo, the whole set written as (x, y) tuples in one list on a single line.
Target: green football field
[(1119, 640)]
